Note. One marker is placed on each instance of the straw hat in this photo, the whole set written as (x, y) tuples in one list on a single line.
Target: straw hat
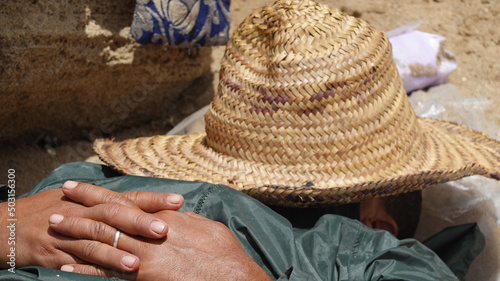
[(310, 110)]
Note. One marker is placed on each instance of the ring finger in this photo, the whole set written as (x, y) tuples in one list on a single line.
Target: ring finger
[(96, 246)]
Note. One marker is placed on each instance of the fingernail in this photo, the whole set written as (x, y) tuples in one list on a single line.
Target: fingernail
[(56, 218), (174, 199), (70, 184), (67, 268), (128, 261), (157, 226)]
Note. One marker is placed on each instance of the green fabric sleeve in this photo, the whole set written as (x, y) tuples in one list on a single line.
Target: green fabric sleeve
[(458, 246), (334, 248)]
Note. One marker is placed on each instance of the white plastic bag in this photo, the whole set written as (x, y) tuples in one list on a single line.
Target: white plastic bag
[(420, 58)]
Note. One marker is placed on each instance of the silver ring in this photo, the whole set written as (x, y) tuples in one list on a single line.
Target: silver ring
[(117, 237)]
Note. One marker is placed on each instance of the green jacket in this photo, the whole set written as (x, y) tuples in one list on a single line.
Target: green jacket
[(334, 248)]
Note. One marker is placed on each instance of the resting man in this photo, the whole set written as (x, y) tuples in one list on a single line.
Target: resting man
[(256, 244), (310, 112)]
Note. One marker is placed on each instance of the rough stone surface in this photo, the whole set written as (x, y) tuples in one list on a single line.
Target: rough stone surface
[(70, 67)]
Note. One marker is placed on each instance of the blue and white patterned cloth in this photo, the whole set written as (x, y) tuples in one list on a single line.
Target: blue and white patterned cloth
[(181, 23)]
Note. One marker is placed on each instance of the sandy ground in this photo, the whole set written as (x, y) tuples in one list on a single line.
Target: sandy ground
[(471, 28)]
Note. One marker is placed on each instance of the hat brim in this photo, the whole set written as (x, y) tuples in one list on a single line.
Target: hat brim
[(447, 152)]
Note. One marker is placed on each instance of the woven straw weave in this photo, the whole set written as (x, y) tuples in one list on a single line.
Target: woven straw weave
[(310, 110)]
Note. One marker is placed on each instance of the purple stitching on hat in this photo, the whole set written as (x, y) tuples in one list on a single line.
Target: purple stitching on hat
[(323, 94), (365, 191), (233, 85), (430, 181)]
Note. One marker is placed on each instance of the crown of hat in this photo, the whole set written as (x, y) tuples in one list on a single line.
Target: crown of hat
[(304, 84)]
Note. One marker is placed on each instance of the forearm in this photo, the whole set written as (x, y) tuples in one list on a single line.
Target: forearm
[(255, 272)]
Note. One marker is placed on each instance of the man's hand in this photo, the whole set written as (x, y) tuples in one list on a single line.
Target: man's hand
[(37, 244), (195, 248)]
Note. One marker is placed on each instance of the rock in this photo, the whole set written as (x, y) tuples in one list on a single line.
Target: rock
[(70, 67)]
